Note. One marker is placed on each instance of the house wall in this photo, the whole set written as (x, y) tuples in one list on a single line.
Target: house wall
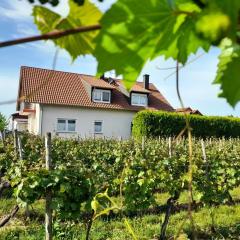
[(34, 120), (20, 124), (115, 123), (31, 123)]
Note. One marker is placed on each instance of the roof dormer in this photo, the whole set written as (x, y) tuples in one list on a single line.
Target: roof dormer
[(140, 92), (139, 99), (101, 95)]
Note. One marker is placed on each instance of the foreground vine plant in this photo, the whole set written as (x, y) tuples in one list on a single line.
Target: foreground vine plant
[(84, 169), (105, 210), (170, 28), (190, 150)]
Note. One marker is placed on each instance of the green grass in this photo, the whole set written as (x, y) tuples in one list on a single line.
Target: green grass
[(221, 222), (226, 224)]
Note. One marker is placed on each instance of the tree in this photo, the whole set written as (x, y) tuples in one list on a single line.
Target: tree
[(3, 125), (3, 122)]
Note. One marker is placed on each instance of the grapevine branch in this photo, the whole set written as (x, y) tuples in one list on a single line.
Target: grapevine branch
[(188, 127), (51, 35), (7, 218)]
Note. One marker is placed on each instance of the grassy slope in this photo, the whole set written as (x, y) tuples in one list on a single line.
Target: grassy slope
[(226, 221)]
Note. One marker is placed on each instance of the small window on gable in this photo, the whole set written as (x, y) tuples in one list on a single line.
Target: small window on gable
[(66, 125), (101, 95), (97, 126), (139, 99)]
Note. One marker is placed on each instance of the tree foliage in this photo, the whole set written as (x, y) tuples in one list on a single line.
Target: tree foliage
[(3, 122), (134, 32)]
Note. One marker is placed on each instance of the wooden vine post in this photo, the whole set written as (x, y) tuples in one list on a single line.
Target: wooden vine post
[(143, 142), (48, 210), (170, 147), (170, 202), (203, 151), (20, 148), (3, 133), (20, 155), (15, 142)]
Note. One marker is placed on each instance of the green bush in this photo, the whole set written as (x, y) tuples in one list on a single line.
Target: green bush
[(157, 123)]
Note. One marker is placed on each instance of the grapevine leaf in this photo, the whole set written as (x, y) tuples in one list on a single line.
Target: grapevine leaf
[(223, 16), (77, 44), (220, 24), (95, 205), (231, 9), (143, 31), (228, 72)]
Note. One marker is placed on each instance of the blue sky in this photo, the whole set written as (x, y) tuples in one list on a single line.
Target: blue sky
[(16, 21)]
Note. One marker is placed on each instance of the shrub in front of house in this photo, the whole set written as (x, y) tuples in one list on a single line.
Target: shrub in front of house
[(157, 123)]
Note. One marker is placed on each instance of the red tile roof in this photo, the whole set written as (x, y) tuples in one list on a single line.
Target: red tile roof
[(96, 82), (63, 88), (138, 87)]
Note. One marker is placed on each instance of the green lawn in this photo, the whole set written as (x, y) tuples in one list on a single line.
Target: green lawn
[(223, 224)]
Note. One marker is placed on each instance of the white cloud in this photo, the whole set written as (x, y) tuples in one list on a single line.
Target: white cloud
[(26, 29), (62, 8), (47, 48), (10, 86), (103, 6), (16, 10), (22, 10)]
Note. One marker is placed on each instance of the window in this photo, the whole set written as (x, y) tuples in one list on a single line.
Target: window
[(139, 99), (97, 95), (71, 125), (106, 96), (100, 95), (61, 125), (66, 125), (98, 127)]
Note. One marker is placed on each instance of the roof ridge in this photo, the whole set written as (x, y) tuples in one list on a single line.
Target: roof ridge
[(84, 74), (61, 71)]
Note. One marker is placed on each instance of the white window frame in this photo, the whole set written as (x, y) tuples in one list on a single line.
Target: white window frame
[(139, 103), (66, 125), (101, 127), (101, 91)]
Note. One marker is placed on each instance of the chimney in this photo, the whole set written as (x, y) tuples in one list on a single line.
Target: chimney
[(146, 81)]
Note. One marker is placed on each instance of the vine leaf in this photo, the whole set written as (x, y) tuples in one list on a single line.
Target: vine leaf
[(143, 31), (77, 44), (228, 72)]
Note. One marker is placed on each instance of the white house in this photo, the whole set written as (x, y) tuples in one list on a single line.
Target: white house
[(71, 104)]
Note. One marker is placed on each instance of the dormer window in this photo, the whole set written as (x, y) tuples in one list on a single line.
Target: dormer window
[(101, 95), (138, 99)]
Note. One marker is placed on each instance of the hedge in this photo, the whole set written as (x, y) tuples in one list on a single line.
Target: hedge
[(157, 123)]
